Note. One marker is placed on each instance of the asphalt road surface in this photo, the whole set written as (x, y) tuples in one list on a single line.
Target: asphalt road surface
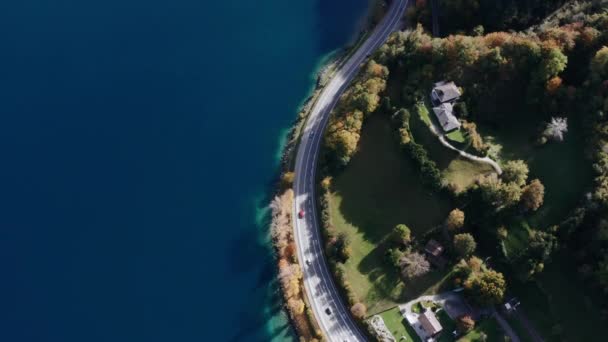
[(338, 325)]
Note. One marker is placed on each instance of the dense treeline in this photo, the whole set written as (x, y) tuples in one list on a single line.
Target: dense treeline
[(477, 16), (429, 172), (496, 71), (290, 273), (358, 101), (558, 68), (580, 31), (506, 77)]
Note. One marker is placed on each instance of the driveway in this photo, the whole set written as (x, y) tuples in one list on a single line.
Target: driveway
[(453, 304)]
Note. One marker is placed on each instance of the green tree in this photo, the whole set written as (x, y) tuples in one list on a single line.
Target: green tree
[(509, 194), (394, 256), (515, 171), (542, 245), (488, 288), (402, 234), (499, 194), (341, 248), (599, 63), (455, 220), (553, 62), (464, 244)]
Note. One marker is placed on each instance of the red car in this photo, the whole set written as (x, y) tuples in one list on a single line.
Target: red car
[(301, 213)]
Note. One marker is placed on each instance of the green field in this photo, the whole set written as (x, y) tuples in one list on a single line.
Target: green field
[(457, 170), (379, 189), (457, 136), (463, 173), (561, 166), (517, 239), (398, 326)]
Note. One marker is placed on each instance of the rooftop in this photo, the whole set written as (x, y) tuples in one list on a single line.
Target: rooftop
[(445, 115), (434, 248), (445, 92), (430, 323)]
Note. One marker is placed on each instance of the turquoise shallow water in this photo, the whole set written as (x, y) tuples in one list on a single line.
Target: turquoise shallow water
[(138, 145)]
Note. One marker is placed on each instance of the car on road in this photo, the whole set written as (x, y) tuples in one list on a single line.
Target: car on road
[(327, 311), (301, 213)]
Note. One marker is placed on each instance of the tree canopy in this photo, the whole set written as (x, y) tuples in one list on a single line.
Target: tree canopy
[(464, 244)]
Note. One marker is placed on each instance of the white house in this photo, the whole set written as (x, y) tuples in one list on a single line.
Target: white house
[(429, 323)]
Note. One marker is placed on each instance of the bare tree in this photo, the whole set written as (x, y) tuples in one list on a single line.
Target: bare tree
[(414, 265), (556, 129)]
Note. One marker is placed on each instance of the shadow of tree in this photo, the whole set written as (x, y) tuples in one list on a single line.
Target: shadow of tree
[(381, 187)]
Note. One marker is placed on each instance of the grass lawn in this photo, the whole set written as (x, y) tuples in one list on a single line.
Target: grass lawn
[(398, 326), (489, 327), (425, 114), (517, 239), (457, 136), (379, 189), (457, 170), (561, 167), (462, 173)]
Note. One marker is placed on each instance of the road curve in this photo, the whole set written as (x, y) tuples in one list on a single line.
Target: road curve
[(322, 294)]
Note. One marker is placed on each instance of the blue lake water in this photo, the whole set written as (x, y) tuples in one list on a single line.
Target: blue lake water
[(138, 145)]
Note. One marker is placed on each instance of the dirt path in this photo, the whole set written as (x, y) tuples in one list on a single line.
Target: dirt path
[(462, 153)]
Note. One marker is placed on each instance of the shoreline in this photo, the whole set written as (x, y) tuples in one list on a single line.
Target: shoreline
[(323, 72)]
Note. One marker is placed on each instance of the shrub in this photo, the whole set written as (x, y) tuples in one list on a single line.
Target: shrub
[(465, 324), (533, 195), (464, 244), (358, 310), (414, 265), (402, 234), (487, 288), (455, 220)]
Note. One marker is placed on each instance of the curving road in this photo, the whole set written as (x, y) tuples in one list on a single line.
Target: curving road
[(320, 288)]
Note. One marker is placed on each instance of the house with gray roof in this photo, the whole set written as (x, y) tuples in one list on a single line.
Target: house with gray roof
[(444, 92), (445, 115), (443, 95)]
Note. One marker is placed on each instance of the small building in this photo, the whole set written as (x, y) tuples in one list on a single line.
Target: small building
[(430, 323), (445, 115), (434, 251), (510, 306), (433, 248), (444, 92)]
